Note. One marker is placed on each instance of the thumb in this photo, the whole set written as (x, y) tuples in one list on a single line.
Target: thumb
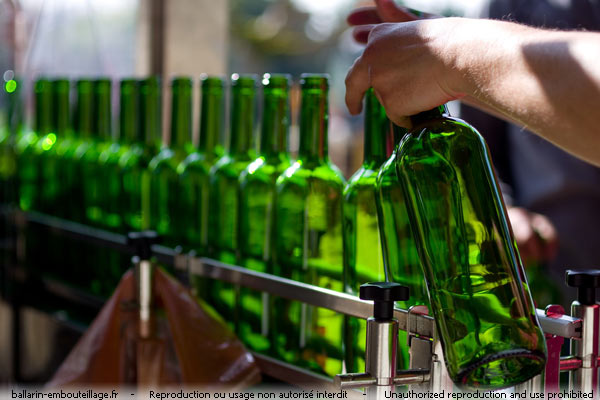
[(389, 12)]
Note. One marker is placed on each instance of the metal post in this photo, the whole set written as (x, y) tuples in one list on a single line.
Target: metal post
[(585, 349)]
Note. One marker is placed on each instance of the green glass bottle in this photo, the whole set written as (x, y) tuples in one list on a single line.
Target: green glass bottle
[(194, 171), (257, 208), (109, 168), (164, 184), (71, 169), (28, 160), (400, 256), (224, 190), (49, 183), (363, 261), (9, 133), (65, 147), (134, 163), (308, 239), (477, 288), (89, 153)]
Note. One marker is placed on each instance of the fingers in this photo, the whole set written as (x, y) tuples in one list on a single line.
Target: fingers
[(361, 33), (364, 15), (527, 241), (390, 12), (547, 234), (357, 83)]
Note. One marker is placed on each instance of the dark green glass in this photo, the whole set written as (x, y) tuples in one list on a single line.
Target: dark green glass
[(363, 261), (194, 171), (164, 183), (28, 160), (49, 184), (103, 269), (108, 161), (224, 190), (71, 166), (89, 153), (308, 239), (257, 190), (64, 148), (400, 256), (9, 133), (477, 288), (544, 290), (141, 150)]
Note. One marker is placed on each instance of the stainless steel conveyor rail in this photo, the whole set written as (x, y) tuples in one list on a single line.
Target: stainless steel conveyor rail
[(422, 325)]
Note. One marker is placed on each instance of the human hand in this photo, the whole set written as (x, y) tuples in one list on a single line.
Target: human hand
[(411, 66), (535, 235), (384, 11)]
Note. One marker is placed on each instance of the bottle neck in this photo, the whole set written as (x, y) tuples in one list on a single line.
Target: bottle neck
[(377, 130), (12, 90), (43, 107), (150, 112), (434, 113), (128, 112), (102, 110), (275, 122), (242, 120), (211, 119), (314, 118), (61, 108), (83, 112), (393, 138), (181, 114)]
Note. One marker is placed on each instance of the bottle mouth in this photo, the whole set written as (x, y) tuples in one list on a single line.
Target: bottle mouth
[(181, 82), (501, 370), (276, 81), (128, 82), (243, 81), (151, 81), (210, 82), (314, 81)]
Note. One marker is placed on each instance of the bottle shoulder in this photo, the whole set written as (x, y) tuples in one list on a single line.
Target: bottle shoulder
[(164, 159), (111, 153), (364, 179), (446, 129), (195, 163), (26, 142), (228, 168), (325, 174)]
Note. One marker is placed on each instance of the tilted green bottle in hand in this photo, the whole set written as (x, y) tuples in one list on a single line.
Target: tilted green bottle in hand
[(363, 260), (194, 171), (308, 239), (164, 183), (477, 288), (224, 193), (257, 208), (136, 196)]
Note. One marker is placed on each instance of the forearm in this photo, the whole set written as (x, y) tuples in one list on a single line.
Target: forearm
[(546, 80)]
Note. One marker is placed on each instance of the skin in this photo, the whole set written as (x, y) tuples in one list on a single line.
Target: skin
[(547, 81), (510, 70)]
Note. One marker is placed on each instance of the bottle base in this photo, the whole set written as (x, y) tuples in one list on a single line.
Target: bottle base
[(504, 369)]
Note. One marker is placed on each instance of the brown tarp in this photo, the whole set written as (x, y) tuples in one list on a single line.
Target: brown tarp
[(188, 345)]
